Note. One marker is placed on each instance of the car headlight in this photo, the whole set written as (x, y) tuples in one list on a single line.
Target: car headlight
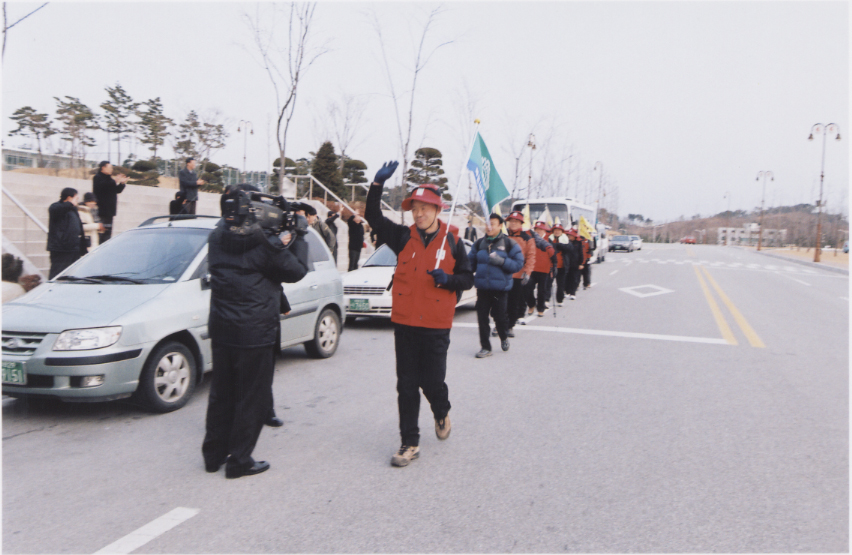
[(92, 338)]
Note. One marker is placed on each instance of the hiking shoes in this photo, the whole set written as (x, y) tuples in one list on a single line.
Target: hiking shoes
[(443, 427), (494, 332), (483, 353), (405, 455), (510, 332), (504, 345)]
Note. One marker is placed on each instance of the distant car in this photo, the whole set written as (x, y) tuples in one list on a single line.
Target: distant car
[(130, 318), (367, 290), (846, 246), (637, 242), (688, 240), (621, 243)]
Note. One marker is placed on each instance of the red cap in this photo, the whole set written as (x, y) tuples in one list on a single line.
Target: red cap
[(542, 225), (572, 232), (516, 215), (428, 193), (557, 226)]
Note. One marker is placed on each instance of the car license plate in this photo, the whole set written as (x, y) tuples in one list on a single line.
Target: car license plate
[(14, 373), (359, 305)]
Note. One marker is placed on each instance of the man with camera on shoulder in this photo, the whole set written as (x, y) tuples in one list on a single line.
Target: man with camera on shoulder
[(248, 262)]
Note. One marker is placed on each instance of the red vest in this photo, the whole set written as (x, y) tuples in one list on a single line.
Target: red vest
[(542, 259), (416, 300)]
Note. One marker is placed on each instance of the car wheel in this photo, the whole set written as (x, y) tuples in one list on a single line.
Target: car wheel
[(326, 335), (168, 379)]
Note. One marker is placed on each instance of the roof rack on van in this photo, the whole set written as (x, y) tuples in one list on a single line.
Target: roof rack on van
[(174, 217)]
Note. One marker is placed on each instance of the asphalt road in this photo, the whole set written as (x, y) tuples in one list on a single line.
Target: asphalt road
[(640, 418)]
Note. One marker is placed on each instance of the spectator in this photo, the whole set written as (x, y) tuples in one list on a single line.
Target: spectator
[(178, 206), (330, 222), (65, 238), (310, 213), (106, 190), (13, 267), (356, 240), (88, 212), (470, 231), (189, 184)]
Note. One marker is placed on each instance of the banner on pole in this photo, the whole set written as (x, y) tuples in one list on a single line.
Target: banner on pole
[(586, 229), (488, 183)]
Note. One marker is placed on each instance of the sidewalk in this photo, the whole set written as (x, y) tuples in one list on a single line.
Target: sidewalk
[(828, 260)]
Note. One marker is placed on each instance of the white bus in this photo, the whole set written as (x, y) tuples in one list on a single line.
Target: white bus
[(568, 211)]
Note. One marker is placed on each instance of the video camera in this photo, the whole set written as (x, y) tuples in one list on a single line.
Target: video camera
[(243, 209)]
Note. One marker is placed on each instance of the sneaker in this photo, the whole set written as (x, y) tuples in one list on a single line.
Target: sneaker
[(494, 332), (571, 297), (546, 304), (559, 304), (540, 314), (510, 332), (483, 353), (405, 455), (504, 345), (443, 427), (530, 311)]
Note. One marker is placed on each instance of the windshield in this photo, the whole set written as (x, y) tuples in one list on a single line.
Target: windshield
[(634, 237), (537, 211), (621, 238), (383, 256), (158, 255)]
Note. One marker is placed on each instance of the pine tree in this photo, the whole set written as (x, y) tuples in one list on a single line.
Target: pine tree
[(32, 124), (76, 119), (426, 168), (118, 113), (154, 125), (326, 170)]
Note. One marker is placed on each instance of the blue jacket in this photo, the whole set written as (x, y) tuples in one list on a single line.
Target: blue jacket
[(488, 276)]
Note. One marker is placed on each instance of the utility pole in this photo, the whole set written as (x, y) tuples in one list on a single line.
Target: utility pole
[(824, 129), (599, 168), (762, 174)]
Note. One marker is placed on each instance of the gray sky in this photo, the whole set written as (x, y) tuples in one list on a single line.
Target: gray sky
[(680, 101)]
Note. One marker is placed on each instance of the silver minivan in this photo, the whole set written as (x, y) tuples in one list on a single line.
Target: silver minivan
[(130, 318)]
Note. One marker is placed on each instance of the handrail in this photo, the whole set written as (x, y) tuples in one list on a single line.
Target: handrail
[(328, 191), (25, 210)]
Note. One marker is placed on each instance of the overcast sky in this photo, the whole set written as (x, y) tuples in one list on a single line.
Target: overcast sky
[(681, 101)]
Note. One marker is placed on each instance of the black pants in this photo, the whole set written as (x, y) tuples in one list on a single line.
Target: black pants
[(572, 280), (537, 290), (239, 403), (61, 260), (493, 303), (587, 274), (354, 255), (421, 363), (334, 253), (107, 223), (560, 284), (515, 302), (189, 207)]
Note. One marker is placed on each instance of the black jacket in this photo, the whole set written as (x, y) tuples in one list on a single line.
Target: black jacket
[(106, 190), (356, 235), (330, 222), (188, 182), (246, 275), (396, 236), (470, 234), (64, 229)]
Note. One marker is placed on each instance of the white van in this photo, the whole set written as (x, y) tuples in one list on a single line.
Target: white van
[(568, 211)]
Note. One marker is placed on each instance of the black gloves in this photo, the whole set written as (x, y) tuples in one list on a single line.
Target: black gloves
[(525, 278), (385, 172), (301, 225), (495, 259)]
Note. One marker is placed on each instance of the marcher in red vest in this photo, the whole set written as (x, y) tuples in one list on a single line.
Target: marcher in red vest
[(516, 303), (586, 266), (560, 243), (545, 262), (424, 302)]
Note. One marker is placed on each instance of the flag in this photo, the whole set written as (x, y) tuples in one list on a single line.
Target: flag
[(586, 230), (527, 220), (488, 183)]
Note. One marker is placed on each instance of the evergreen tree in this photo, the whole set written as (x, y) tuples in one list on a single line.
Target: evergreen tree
[(154, 125), (32, 124), (76, 119), (187, 144), (426, 168), (326, 170), (118, 113)]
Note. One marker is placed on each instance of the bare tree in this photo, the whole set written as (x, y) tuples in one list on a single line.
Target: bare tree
[(422, 55), (284, 63), (6, 25), (345, 116)]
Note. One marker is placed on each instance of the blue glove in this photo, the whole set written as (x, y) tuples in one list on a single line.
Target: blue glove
[(439, 275), (385, 172)]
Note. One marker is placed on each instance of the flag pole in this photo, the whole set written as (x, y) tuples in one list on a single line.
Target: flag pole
[(441, 252)]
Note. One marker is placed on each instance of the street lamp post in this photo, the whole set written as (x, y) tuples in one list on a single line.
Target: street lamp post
[(824, 129), (244, 124), (728, 219), (764, 175), (598, 167), (531, 144)]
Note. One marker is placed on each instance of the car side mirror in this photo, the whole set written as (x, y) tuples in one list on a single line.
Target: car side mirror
[(205, 281)]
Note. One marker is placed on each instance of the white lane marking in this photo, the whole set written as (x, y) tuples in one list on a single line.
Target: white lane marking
[(845, 299), (613, 272), (627, 334), (794, 279), (150, 531), (654, 290)]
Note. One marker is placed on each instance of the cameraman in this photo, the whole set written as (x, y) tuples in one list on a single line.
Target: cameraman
[(247, 265)]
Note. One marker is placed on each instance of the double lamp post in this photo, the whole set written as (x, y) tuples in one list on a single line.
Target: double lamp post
[(818, 129)]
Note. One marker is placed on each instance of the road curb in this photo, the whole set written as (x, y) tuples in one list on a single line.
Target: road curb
[(805, 263)]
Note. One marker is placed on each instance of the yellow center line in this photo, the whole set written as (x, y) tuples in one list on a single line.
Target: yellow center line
[(727, 334), (749, 332)]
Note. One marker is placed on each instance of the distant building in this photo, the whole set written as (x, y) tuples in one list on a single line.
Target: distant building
[(14, 159), (748, 235)]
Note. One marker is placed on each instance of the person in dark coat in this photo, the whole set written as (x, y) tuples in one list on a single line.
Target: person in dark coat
[(494, 259), (65, 237), (332, 225), (575, 257), (106, 189), (356, 239), (189, 183), (470, 232), (562, 245), (247, 267), (424, 302), (178, 206)]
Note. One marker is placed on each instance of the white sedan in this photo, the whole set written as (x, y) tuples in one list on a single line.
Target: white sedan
[(367, 290)]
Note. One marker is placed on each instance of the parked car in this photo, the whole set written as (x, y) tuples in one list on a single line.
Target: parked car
[(637, 242), (621, 243), (688, 240), (846, 246), (367, 290), (130, 318)]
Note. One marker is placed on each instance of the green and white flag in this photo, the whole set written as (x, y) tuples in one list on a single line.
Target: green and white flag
[(488, 183)]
